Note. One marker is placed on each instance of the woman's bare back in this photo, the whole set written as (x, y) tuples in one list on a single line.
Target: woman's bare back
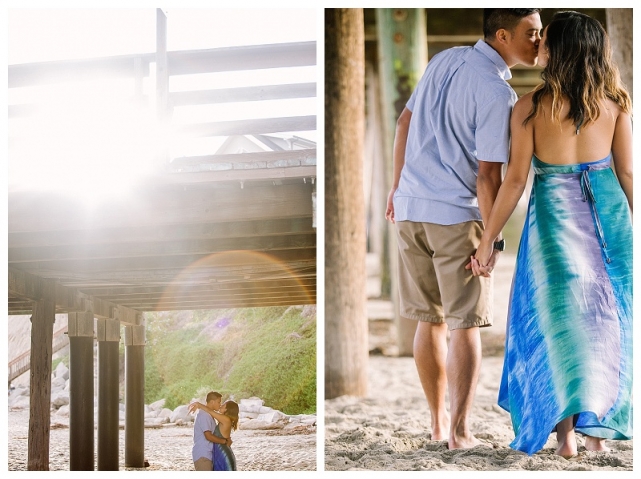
[(561, 145)]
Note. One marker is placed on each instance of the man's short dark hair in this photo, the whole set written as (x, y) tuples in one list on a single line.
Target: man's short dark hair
[(211, 395), (507, 18)]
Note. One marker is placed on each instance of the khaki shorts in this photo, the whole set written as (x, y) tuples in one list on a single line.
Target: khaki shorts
[(434, 285), (203, 464)]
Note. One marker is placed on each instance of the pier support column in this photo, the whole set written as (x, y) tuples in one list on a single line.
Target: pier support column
[(42, 319), (108, 394), (81, 391), (135, 396)]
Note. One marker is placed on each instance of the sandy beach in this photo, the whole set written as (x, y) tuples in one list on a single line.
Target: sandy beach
[(169, 448), (389, 430)]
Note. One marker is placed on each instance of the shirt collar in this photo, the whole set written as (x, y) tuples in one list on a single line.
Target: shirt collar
[(495, 58)]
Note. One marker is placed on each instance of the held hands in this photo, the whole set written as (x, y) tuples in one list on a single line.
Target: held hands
[(483, 262)]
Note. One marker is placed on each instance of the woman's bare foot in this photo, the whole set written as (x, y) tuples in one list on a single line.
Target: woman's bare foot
[(566, 438), (566, 448), (595, 444)]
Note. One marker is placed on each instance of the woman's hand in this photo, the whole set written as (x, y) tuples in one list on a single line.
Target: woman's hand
[(483, 262), (193, 407)]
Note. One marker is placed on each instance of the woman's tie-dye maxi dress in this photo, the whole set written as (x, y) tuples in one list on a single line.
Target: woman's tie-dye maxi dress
[(568, 347)]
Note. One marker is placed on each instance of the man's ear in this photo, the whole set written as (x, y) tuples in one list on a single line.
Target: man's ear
[(502, 36)]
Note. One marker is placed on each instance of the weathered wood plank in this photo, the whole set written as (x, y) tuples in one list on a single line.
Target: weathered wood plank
[(249, 127), (154, 233), (223, 259), (175, 205), (242, 94), (165, 248), (25, 285), (245, 175), (304, 156)]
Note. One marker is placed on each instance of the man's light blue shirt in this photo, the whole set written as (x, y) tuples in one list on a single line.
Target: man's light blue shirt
[(202, 447), (460, 114)]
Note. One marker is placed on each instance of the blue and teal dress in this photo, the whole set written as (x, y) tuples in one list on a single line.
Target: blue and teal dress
[(568, 347), (223, 457)]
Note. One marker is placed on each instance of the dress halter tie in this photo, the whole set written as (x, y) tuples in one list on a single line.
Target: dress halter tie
[(588, 195)]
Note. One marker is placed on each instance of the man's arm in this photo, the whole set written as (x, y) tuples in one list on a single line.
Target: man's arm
[(400, 142), (488, 182), (218, 440)]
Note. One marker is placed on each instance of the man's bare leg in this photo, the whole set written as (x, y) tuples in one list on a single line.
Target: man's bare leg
[(566, 438), (463, 367), (430, 353)]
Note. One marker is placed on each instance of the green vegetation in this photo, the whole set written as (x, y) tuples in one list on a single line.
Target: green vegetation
[(264, 352)]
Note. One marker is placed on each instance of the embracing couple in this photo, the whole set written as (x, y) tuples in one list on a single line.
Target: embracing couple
[(212, 434), (568, 349)]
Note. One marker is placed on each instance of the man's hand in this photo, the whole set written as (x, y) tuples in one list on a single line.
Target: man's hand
[(193, 407), (389, 212), (476, 263)]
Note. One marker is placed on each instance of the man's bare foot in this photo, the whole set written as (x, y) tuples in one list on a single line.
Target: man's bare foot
[(440, 433), (567, 449), (595, 444), (463, 442)]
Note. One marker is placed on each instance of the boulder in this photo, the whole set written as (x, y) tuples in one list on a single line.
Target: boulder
[(181, 413), (158, 405), (61, 371), (251, 405), (63, 411), (59, 398)]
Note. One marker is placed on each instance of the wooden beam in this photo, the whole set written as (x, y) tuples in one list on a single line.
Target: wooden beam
[(31, 287), (150, 234), (249, 127), (303, 157), (216, 260), (165, 248), (253, 93), (275, 284), (180, 63), (254, 57), (168, 205), (244, 175)]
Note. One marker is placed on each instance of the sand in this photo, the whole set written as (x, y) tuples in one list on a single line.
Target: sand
[(389, 429), (169, 448)]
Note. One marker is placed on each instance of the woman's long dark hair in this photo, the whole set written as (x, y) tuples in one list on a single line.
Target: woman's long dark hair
[(580, 69)]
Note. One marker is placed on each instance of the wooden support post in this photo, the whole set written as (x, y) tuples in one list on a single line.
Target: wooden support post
[(44, 314), (402, 49), (162, 83), (81, 394), (135, 396), (108, 394), (346, 345)]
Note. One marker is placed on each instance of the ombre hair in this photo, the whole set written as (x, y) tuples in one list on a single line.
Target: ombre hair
[(580, 69), (232, 413)]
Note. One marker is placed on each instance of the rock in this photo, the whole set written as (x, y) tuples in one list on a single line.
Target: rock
[(158, 405), (59, 398), (247, 415), (20, 402), (165, 413), (61, 371), (181, 413), (63, 411), (255, 424), (265, 410), (273, 416), (58, 384), (251, 405)]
